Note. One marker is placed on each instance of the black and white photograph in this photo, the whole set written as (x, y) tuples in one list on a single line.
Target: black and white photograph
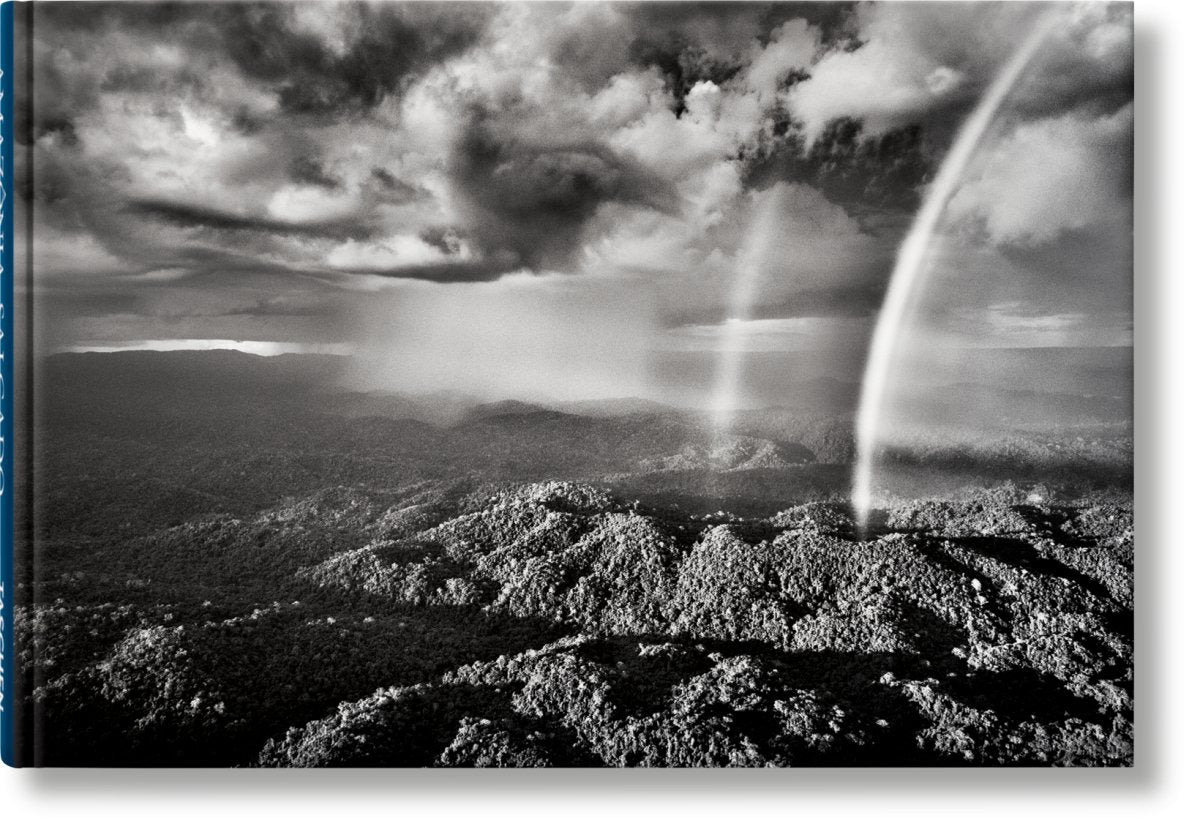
[(574, 384)]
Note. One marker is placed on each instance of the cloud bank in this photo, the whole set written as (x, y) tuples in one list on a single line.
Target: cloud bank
[(298, 172)]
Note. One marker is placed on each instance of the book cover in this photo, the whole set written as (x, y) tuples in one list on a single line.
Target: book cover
[(506, 384)]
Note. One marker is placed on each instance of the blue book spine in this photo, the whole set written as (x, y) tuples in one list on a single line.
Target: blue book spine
[(7, 576)]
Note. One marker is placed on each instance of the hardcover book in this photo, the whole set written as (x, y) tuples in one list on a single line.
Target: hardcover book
[(497, 384)]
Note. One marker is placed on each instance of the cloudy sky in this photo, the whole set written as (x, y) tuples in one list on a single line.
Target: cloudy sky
[(571, 200)]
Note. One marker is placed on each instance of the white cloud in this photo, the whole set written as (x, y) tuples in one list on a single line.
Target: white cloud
[(265, 348), (1048, 177), (916, 59), (308, 203), (915, 56), (766, 335), (628, 97), (199, 129), (793, 46), (76, 254), (1015, 325), (580, 78)]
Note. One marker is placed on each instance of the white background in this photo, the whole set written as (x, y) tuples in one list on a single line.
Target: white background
[(1158, 793)]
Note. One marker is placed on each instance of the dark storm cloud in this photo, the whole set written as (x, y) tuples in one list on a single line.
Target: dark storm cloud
[(99, 302), (218, 269), (55, 124), (73, 29), (386, 45), (710, 23), (308, 171), (528, 204), (54, 113), (277, 308), (445, 240), (712, 41), (227, 153), (860, 173), (686, 42), (683, 66), (141, 79), (395, 189), (195, 216)]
